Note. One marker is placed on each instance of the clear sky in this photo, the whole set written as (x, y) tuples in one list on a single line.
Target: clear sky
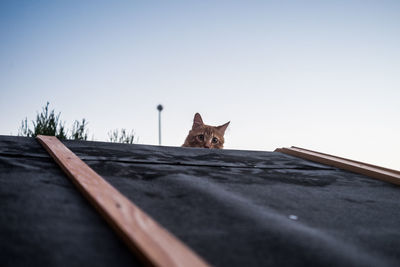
[(323, 75)]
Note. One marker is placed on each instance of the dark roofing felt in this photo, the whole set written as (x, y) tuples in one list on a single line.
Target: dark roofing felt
[(234, 208)]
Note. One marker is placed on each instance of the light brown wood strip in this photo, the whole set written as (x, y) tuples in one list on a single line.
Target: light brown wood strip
[(354, 161), (150, 241), (370, 170)]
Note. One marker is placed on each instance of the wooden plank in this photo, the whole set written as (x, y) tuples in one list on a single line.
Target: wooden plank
[(150, 241), (354, 161), (385, 174)]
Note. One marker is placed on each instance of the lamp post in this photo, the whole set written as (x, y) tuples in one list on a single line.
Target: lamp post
[(159, 108)]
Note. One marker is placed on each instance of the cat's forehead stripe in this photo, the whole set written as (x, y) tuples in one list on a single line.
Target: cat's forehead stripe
[(208, 131)]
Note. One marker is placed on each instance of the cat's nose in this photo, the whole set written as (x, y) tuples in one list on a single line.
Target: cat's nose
[(207, 146)]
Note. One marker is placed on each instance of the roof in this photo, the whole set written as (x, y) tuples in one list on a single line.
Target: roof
[(232, 207)]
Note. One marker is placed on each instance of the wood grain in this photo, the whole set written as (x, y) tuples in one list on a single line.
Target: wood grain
[(150, 241), (385, 174)]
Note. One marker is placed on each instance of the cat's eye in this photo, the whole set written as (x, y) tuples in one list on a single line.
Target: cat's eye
[(201, 137), (215, 140)]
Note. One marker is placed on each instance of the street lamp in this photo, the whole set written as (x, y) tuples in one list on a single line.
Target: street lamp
[(159, 108)]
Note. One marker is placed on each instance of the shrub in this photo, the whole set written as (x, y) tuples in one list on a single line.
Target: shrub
[(47, 123), (79, 130), (121, 137)]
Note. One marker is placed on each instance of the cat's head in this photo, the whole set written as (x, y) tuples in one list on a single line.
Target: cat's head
[(205, 136)]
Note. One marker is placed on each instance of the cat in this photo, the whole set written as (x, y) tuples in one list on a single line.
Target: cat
[(205, 136)]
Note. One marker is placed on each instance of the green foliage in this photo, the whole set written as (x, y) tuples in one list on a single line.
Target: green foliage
[(24, 129), (79, 130), (48, 123), (121, 137)]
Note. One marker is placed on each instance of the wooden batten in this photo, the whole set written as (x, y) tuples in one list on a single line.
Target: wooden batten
[(385, 174), (144, 236)]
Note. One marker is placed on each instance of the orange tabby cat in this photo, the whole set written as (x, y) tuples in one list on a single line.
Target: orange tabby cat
[(205, 136)]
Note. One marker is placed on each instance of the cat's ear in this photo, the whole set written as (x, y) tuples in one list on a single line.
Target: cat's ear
[(222, 128), (197, 121)]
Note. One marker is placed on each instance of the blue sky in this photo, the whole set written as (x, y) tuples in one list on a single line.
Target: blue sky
[(323, 75)]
